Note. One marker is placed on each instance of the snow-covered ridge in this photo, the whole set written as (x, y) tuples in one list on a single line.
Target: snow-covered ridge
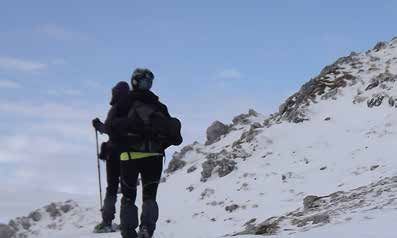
[(371, 75), (327, 137), (360, 77), (338, 206)]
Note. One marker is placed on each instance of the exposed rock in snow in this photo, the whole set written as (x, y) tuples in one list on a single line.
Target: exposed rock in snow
[(380, 46), (53, 210), (215, 131), (177, 163), (32, 224), (232, 208), (35, 215), (244, 118), (268, 227), (308, 202), (207, 193), (321, 210), (190, 188), (191, 169), (221, 162), (67, 207), (249, 135), (376, 101), (208, 167), (328, 83), (294, 108), (225, 167), (6, 231)]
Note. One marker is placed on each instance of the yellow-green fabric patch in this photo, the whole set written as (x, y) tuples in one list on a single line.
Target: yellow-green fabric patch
[(136, 155)]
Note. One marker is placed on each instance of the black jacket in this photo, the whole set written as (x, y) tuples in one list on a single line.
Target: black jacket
[(132, 131), (120, 105), (119, 108)]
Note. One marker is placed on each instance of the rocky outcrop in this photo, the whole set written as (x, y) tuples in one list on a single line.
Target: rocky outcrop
[(309, 202), (383, 83), (208, 192), (268, 227), (224, 167), (314, 219), (231, 208), (191, 169), (243, 119), (375, 101), (177, 161), (324, 86), (380, 46), (249, 135), (222, 162), (215, 131), (321, 210), (35, 215), (53, 210), (208, 167), (294, 108), (24, 226), (381, 79), (175, 164), (6, 231)]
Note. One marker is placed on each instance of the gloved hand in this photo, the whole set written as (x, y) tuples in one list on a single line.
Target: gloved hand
[(96, 123)]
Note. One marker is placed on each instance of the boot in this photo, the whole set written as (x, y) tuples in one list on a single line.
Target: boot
[(128, 218), (104, 227), (149, 217), (143, 232)]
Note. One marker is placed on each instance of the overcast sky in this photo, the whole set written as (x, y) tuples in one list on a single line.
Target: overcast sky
[(212, 60)]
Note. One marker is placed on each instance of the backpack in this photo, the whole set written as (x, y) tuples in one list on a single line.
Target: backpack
[(170, 131), (154, 129)]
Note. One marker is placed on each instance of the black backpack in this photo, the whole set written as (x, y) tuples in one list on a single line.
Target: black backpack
[(155, 128), (170, 131)]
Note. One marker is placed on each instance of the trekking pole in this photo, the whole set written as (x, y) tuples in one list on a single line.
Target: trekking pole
[(99, 168)]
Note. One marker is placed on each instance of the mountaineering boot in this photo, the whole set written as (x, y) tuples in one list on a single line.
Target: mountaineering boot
[(149, 217), (128, 218), (104, 227), (109, 208), (143, 232)]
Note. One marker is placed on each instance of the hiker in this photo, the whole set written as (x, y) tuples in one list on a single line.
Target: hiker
[(149, 130), (110, 152)]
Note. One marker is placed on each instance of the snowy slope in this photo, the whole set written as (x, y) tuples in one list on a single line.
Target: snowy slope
[(281, 174), (16, 203)]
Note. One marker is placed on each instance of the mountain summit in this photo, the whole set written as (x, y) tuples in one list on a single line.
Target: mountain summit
[(325, 158)]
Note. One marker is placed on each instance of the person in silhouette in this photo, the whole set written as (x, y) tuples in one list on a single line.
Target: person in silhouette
[(148, 130), (110, 152)]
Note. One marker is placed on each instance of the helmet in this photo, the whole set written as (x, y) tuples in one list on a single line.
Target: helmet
[(142, 79)]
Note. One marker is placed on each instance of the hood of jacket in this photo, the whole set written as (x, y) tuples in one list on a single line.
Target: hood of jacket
[(120, 92)]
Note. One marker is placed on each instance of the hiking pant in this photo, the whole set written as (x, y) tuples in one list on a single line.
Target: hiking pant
[(113, 175), (150, 169)]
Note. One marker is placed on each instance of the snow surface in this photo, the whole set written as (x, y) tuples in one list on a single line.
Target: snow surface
[(286, 163)]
